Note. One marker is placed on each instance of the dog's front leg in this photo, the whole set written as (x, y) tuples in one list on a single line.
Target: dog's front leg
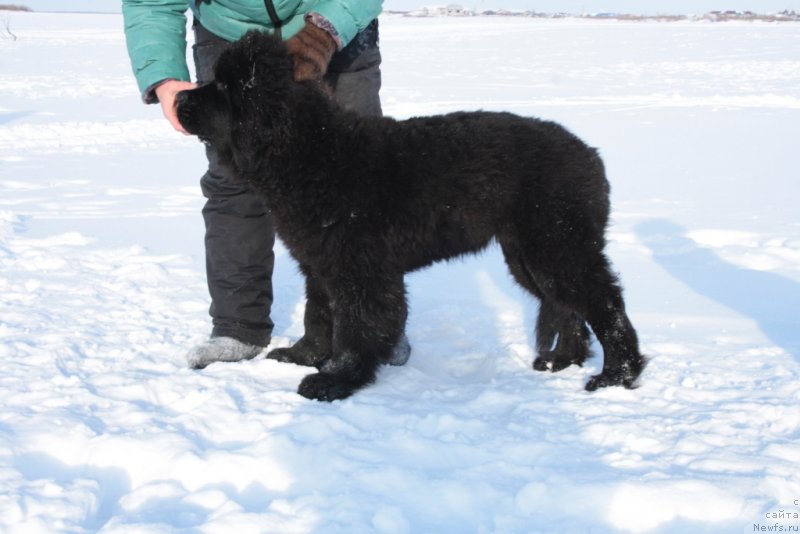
[(315, 346), (369, 317)]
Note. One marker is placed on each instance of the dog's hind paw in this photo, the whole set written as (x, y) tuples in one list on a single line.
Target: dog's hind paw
[(552, 361), (325, 387), (626, 376), (602, 381)]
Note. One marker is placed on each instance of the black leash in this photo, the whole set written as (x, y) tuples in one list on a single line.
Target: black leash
[(273, 16)]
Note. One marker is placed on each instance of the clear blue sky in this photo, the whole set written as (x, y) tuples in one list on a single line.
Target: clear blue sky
[(568, 6)]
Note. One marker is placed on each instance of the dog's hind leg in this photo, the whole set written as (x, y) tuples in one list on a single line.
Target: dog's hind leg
[(369, 317), (562, 338), (585, 284), (622, 362), (572, 338), (315, 346)]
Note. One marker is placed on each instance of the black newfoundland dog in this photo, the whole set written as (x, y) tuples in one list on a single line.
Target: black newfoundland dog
[(359, 202)]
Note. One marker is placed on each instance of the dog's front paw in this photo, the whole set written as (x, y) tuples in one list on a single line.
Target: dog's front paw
[(286, 355), (325, 387), (301, 353)]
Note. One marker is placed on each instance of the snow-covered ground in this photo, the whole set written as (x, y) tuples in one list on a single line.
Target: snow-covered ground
[(103, 428)]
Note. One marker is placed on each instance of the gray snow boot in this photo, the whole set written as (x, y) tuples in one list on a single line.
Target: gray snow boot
[(221, 349)]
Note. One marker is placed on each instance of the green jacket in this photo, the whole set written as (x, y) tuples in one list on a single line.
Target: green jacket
[(155, 30)]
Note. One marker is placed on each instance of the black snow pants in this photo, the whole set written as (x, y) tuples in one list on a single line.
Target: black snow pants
[(239, 233)]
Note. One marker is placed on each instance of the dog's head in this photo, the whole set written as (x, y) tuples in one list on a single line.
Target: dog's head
[(243, 114)]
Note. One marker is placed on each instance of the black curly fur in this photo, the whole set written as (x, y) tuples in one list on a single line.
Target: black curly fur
[(360, 201)]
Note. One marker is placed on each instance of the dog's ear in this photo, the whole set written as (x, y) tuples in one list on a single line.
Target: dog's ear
[(256, 71)]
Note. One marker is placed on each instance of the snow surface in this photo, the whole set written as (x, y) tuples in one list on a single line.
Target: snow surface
[(103, 428)]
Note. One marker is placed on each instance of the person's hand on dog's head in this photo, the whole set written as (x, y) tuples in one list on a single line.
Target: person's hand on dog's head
[(166, 93)]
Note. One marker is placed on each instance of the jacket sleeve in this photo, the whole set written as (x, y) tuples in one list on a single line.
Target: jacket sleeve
[(155, 33), (349, 16)]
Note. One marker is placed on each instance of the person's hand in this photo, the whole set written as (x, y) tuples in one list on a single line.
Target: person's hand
[(311, 50), (166, 96)]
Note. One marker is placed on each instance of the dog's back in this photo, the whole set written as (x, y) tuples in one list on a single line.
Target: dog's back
[(445, 185)]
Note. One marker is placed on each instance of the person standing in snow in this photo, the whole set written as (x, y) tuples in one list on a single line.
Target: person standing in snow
[(331, 40)]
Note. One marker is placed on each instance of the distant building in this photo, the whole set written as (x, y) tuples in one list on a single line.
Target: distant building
[(451, 10), (454, 10)]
